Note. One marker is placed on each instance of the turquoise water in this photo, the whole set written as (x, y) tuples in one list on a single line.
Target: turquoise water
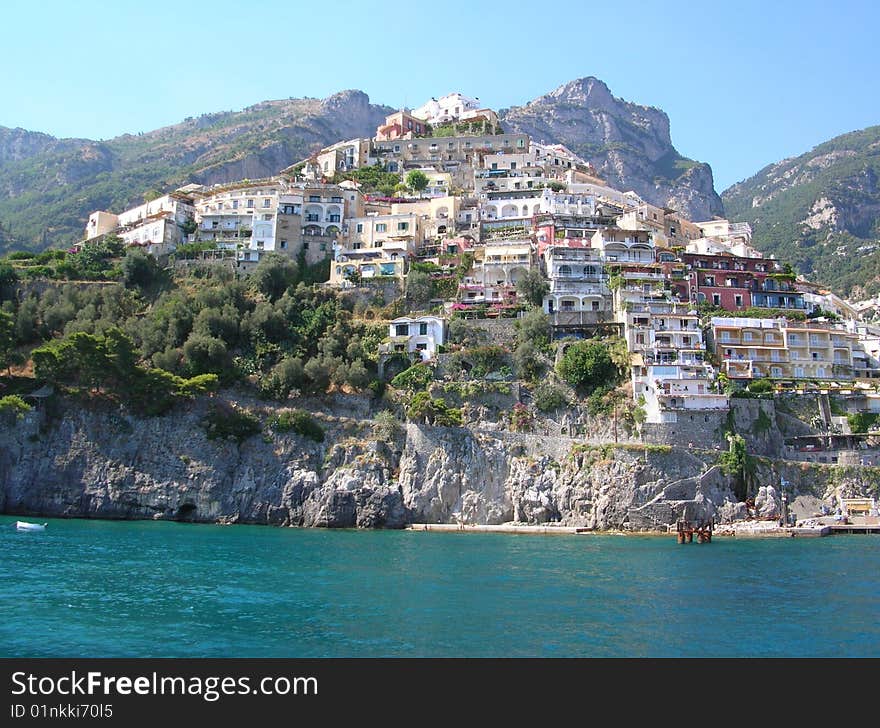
[(143, 589)]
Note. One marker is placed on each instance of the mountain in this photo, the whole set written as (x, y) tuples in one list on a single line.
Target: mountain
[(49, 186), (820, 211), (628, 144)]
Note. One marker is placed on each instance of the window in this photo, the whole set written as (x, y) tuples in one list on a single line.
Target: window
[(314, 198), (738, 300), (716, 299), (397, 147), (283, 244), (381, 227), (359, 227), (323, 246), (401, 330), (267, 217), (267, 202), (423, 329), (403, 226), (250, 203), (235, 204), (335, 199), (747, 336)]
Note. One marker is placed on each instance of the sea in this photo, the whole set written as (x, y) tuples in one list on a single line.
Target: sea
[(92, 588)]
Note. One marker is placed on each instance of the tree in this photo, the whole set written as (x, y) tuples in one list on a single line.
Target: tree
[(587, 365), (532, 287), (417, 180), (8, 278), (205, 355), (461, 332), (533, 327), (274, 274), (419, 288), (139, 269), (739, 465), (527, 362), (7, 340)]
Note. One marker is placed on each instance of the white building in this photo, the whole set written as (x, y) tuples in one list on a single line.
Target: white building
[(446, 109), (578, 284), (157, 225), (422, 334)]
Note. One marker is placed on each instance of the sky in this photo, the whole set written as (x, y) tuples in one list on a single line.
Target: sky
[(744, 84)]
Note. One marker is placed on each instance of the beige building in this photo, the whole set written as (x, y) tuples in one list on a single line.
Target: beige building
[(781, 349), (376, 246), (345, 156)]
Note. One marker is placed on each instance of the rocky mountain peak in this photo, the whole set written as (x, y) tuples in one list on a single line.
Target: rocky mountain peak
[(628, 144), (588, 88), (350, 100)]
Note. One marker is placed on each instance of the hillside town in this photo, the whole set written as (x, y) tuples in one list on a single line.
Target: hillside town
[(490, 216)]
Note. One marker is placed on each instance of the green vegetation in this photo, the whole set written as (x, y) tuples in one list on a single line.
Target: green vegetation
[(298, 421), (372, 179), (432, 411), (228, 422), (588, 365), (549, 397), (532, 287), (738, 465), (862, 421), (269, 331), (416, 180), (416, 378), (13, 405), (846, 177)]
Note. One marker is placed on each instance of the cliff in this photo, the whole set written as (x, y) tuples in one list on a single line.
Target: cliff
[(628, 144), (100, 461)]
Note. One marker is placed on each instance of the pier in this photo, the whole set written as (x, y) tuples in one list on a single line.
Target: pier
[(686, 532), (855, 528)]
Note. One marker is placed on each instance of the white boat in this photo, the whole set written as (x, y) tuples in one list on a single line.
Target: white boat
[(25, 526)]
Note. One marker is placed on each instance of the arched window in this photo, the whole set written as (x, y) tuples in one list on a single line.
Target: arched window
[(565, 270)]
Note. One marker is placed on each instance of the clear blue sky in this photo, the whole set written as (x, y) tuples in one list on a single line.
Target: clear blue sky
[(744, 84)]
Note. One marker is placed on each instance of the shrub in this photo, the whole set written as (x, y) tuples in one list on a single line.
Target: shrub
[(230, 423), (14, 405), (418, 376), (521, 419), (587, 365), (761, 386), (549, 397), (298, 421), (862, 421)]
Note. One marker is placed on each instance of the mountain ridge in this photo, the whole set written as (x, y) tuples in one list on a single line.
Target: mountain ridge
[(820, 210), (49, 186)]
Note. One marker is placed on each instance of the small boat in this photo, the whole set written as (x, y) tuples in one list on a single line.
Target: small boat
[(25, 526)]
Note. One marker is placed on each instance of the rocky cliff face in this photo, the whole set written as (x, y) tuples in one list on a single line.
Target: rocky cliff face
[(820, 211), (105, 463), (628, 144)]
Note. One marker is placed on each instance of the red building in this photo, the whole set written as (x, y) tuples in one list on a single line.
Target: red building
[(723, 279)]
